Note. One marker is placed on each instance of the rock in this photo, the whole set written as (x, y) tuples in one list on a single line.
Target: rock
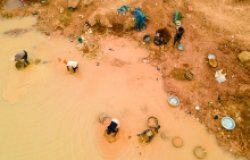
[(243, 90), (73, 3), (44, 1), (189, 75), (104, 21), (197, 108), (61, 10), (37, 61), (129, 24), (87, 2), (81, 16), (145, 60), (244, 58), (34, 13), (92, 20), (98, 18)]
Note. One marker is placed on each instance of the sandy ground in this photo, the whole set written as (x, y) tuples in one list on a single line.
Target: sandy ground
[(48, 113)]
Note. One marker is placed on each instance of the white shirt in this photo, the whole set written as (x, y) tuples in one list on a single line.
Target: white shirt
[(73, 64), (116, 121)]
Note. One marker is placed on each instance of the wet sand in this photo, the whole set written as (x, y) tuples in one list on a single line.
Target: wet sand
[(48, 113)]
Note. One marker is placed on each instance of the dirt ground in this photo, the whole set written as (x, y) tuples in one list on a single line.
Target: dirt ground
[(219, 27)]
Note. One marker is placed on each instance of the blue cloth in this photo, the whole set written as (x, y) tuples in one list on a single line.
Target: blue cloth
[(112, 128), (123, 9), (140, 19)]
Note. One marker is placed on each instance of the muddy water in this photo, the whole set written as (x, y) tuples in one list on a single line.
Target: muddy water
[(47, 113)]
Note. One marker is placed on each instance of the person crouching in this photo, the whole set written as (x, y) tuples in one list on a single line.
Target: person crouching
[(72, 65), (178, 36), (22, 57)]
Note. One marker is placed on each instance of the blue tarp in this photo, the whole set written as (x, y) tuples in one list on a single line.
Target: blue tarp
[(123, 9), (140, 19)]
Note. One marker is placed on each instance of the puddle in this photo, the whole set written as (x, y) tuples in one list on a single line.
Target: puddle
[(48, 113)]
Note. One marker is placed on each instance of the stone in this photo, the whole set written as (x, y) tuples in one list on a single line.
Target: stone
[(197, 108), (243, 90), (37, 61), (145, 60), (61, 10), (73, 3), (104, 21), (92, 20), (244, 58), (129, 24), (99, 18), (189, 75), (87, 2)]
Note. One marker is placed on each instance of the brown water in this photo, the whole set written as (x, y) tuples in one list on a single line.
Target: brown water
[(47, 113)]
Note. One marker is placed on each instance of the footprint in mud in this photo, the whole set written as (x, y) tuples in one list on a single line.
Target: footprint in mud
[(16, 32), (117, 62)]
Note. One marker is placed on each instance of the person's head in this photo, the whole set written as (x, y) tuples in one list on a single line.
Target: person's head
[(116, 121), (181, 30)]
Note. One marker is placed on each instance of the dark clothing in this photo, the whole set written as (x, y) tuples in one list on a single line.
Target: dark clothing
[(162, 37), (178, 35), (158, 40), (25, 57), (112, 128)]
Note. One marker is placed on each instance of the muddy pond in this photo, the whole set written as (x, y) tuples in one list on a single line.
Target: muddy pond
[(47, 113)]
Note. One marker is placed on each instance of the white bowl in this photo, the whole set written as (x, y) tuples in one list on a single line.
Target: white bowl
[(211, 56), (174, 101), (228, 123)]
